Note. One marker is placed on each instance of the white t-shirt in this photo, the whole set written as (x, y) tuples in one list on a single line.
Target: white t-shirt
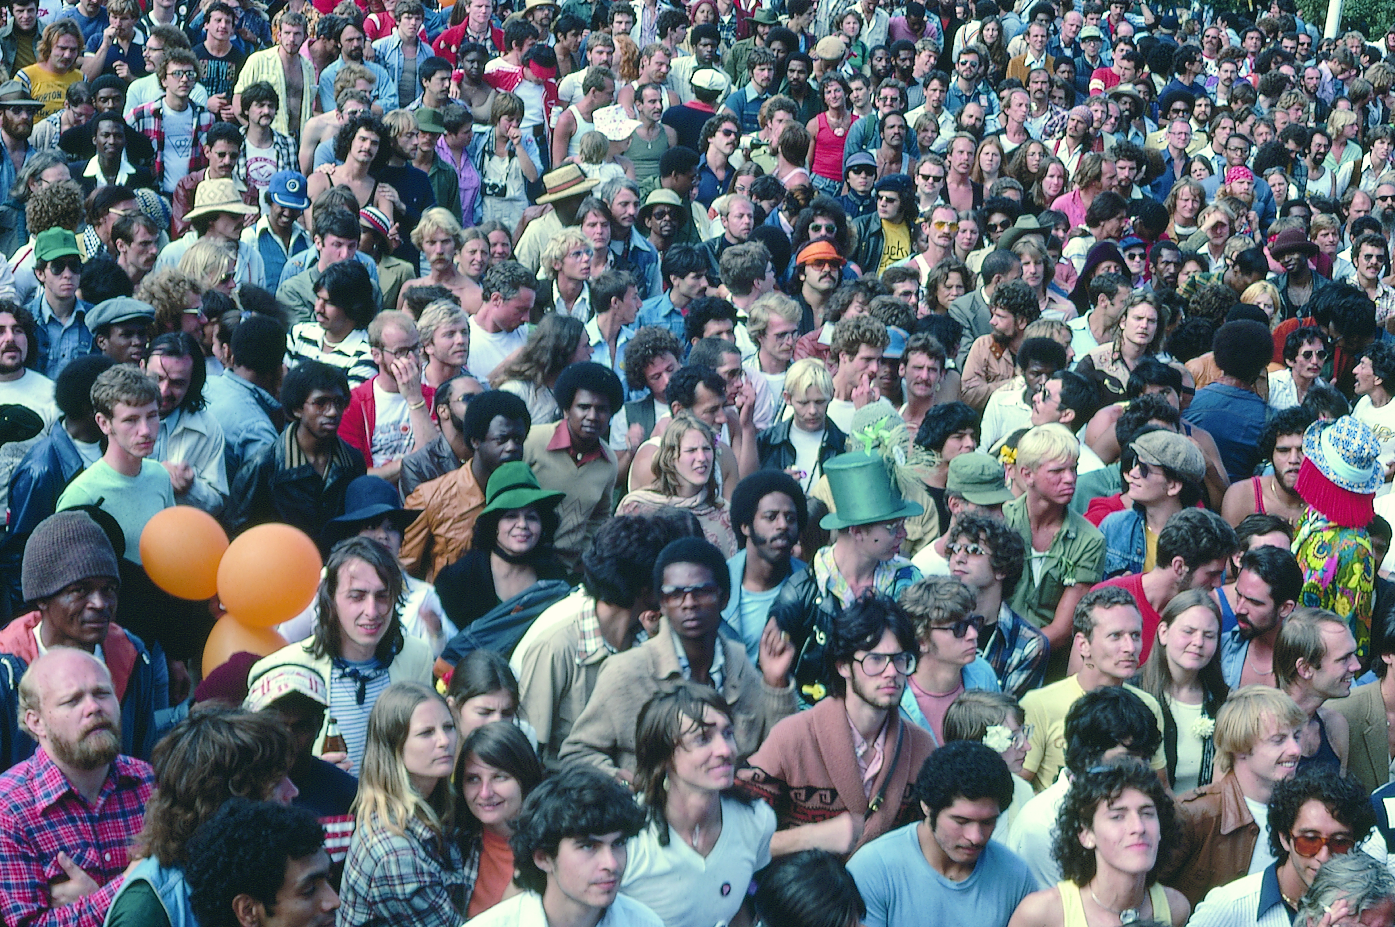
[(90, 453), (841, 412), (688, 890), (929, 562), (261, 165), (1189, 746), (488, 349), (392, 426), (179, 145), (1263, 856), (806, 455), (1381, 421), (35, 391), (526, 910)]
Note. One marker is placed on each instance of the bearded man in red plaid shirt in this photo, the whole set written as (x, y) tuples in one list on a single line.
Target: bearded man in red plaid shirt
[(68, 813)]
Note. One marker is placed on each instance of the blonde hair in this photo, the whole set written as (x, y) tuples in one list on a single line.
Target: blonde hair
[(1251, 298), (441, 312), (1241, 721), (971, 715), (776, 304), (207, 261), (1054, 329), (1323, 221), (399, 122), (437, 219), (558, 246), (804, 375), (593, 147), (667, 480), (386, 796), (1046, 443), (1339, 120)]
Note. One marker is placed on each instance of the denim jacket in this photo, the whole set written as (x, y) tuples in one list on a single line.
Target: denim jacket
[(1125, 546)]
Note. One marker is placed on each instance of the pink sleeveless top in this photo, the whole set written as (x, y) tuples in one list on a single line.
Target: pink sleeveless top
[(828, 150)]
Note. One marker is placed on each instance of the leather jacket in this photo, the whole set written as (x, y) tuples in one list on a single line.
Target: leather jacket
[(1218, 839)]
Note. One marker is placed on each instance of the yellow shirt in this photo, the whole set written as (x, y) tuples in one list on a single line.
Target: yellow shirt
[(1045, 710), (47, 87), (1150, 555), (896, 245)]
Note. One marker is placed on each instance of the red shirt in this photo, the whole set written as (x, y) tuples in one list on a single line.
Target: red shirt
[(1133, 584)]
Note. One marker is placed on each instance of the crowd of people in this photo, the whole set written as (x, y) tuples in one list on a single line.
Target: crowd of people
[(813, 464)]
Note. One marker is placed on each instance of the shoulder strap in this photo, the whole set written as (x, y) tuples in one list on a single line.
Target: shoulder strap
[(877, 800)]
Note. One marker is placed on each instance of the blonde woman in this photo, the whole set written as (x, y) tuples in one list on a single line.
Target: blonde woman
[(1038, 270), (439, 238), (685, 477), (1343, 126), (1265, 295), (995, 720), (211, 264), (404, 865)]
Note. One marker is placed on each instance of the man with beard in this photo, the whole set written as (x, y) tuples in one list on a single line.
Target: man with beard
[(1276, 493), (768, 512), (798, 88), (1265, 594), (291, 75), (1108, 631), (1314, 661), (72, 574), (992, 358), (190, 442), (1166, 258), (1385, 206), (1074, 142), (19, 384), (865, 134), (72, 810), (871, 649), (351, 41), (17, 113)]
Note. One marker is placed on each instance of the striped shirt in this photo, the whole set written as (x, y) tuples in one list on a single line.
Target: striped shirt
[(344, 703), (352, 355)]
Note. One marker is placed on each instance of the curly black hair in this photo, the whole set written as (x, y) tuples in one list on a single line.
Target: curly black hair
[(1344, 797), (962, 769), (1100, 785), (243, 850), (1294, 421), (1018, 299), (1009, 552)]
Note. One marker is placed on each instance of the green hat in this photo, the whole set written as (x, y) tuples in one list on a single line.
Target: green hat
[(55, 243), (979, 478), (429, 120), (863, 492), (513, 486), (765, 17)]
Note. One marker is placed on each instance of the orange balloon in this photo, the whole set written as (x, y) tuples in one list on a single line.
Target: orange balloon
[(180, 549), (269, 575), (230, 636)]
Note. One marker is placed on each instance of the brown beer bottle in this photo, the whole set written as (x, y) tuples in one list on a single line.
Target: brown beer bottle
[(334, 741)]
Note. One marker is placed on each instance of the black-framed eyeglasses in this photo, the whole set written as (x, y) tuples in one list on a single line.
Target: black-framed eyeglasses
[(874, 664), (703, 594), (961, 627), (888, 198), (399, 353)]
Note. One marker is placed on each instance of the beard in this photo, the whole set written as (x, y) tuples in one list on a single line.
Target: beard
[(94, 749)]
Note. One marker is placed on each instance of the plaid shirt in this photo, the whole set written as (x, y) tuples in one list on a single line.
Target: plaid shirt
[(149, 120), (405, 881), (1017, 651), (41, 814)]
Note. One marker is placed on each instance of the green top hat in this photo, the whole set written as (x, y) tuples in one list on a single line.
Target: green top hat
[(864, 492)]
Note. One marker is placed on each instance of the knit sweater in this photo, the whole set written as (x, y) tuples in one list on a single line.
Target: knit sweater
[(807, 771)]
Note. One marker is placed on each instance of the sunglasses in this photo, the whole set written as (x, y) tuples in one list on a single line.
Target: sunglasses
[(942, 225), (888, 198), (1311, 354), (1386, 199), (63, 265), (816, 228), (999, 226), (874, 664), (727, 133), (1309, 845), (962, 626), (970, 549), (704, 594), (826, 264)]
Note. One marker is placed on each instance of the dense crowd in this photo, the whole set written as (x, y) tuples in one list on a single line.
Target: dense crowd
[(809, 463)]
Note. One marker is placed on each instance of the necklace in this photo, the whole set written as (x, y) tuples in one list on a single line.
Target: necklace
[(1126, 916)]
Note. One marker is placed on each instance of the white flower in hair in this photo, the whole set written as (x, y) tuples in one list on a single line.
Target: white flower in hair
[(997, 738)]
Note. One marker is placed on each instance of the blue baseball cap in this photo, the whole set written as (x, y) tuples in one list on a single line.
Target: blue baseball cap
[(287, 189)]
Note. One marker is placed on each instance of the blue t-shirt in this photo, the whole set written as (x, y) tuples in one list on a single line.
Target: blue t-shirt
[(1235, 418), (902, 889)]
